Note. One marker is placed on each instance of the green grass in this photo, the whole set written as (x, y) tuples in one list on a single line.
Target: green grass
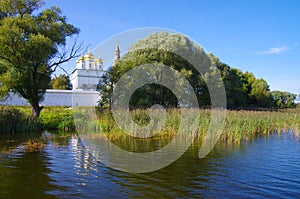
[(18, 119), (57, 118), (14, 120), (239, 125)]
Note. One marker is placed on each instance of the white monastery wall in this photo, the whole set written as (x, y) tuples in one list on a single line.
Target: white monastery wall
[(58, 98)]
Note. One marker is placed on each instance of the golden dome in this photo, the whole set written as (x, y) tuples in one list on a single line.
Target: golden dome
[(99, 60), (89, 56), (81, 58)]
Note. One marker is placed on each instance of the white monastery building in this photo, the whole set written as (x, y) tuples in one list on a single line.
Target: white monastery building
[(87, 73), (84, 79)]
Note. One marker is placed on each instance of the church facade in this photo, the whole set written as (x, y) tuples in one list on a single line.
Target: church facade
[(84, 79), (87, 73)]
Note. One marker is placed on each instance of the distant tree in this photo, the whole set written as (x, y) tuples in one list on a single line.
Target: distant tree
[(32, 46), (284, 99), (243, 89), (257, 92), (224, 68), (236, 95), (260, 93), (248, 80), (105, 86), (234, 83), (62, 82)]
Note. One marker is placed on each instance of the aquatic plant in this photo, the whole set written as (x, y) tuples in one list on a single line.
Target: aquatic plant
[(239, 125)]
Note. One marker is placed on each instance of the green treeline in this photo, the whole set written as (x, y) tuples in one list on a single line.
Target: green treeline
[(243, 89)]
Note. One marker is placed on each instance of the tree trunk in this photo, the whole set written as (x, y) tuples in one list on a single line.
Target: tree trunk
[(36, 110)]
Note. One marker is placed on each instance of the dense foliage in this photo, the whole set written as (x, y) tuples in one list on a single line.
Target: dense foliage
[(18, 119), (32, 46), (173, 50), (243, 89), (284, 99), (13, 120), (62, 82)]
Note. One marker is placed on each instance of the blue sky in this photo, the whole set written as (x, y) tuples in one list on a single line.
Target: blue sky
[(262, 37)]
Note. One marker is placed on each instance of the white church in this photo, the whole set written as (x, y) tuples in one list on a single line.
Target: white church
[(84, 79)]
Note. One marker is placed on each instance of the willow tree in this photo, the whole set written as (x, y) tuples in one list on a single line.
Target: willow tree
[(170, 50), (32, 46)]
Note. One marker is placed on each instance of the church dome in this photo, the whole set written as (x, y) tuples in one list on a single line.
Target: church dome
[(89, 56), (80, 59), (99, 60)]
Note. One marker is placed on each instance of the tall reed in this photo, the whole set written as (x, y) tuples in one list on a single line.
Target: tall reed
[(238, 126)]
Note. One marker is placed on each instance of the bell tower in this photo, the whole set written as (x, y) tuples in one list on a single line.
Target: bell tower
[(117, 53)]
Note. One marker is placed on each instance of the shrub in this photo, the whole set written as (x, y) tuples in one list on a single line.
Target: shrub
[(9, 119)]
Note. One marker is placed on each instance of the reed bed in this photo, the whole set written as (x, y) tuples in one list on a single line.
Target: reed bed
[(245, 125), (238, 126)]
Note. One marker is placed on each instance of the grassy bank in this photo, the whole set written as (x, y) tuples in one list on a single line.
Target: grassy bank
[(18, 119)]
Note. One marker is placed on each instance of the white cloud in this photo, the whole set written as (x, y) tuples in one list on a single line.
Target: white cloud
[(276, 50)]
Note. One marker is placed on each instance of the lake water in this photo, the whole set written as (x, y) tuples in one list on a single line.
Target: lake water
[(63, 168)]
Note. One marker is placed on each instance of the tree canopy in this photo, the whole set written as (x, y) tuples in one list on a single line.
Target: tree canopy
[(157, 52), (243, 89), (284, 99), (32, 46)]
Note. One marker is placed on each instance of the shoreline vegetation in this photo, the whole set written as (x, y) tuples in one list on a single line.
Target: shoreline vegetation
[(15, 119), (240, 125)]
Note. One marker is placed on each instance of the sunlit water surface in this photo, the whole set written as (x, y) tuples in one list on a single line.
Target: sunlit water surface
[(63, 168)]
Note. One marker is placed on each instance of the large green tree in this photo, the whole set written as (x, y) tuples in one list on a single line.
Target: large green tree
[(233, 81), (243, 89), (260, 93), (167, 49), (32, 46)]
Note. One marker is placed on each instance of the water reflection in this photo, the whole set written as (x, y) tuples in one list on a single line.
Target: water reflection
[(177, 180), (23, 174), (264, 167)]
